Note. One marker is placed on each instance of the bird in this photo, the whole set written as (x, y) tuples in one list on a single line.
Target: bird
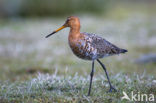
[(89, 46)]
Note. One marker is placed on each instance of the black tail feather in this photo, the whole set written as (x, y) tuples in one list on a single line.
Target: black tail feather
[(123, 51)]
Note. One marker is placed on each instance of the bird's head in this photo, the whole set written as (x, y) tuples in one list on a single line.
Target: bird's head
[(72, 22)]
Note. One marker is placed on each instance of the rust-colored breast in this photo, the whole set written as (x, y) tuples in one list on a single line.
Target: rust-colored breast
[(82, 47)]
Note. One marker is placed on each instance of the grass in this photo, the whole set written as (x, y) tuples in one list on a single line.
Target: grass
[(46, 88), (35, 70)]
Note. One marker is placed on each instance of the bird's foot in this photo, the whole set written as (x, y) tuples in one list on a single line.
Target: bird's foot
[(112, 89)]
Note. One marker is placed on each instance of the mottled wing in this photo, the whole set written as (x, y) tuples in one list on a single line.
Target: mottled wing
[(103, 47)]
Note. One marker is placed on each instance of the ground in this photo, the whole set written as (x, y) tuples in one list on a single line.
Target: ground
[(34, 69)]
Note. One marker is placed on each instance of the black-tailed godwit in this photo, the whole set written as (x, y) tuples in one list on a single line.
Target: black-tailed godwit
[(89, 46)]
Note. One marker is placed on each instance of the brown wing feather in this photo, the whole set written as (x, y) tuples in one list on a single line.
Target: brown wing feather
[(104, 47)]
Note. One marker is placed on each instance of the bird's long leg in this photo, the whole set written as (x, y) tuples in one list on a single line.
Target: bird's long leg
[(91, 77), (104, 68)]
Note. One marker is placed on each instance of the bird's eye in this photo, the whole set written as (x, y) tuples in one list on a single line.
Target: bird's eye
[(68, 20)]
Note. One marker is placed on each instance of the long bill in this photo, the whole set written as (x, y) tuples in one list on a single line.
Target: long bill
[(55, 31)]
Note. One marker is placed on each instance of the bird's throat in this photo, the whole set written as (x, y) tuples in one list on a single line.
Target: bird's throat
[(75, 29), (74, 32)]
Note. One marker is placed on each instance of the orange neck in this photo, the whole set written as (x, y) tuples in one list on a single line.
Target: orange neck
[(74, 31)]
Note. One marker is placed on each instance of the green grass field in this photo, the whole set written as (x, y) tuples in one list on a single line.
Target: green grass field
[(34, 69)]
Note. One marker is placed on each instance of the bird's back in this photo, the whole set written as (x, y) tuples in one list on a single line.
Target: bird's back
[(104, 47)]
